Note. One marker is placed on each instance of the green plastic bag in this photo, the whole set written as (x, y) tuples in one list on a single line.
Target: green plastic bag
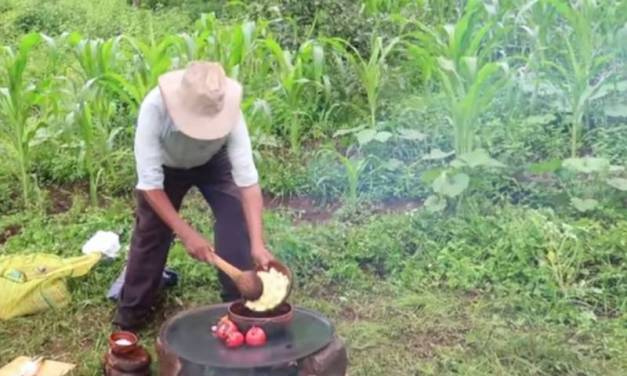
[(36, 282)]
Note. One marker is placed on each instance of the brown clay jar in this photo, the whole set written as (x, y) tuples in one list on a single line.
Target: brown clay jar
[(125, 356)]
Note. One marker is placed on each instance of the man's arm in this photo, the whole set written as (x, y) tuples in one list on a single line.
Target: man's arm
[(252, 204), (246, 178), (197, 246)]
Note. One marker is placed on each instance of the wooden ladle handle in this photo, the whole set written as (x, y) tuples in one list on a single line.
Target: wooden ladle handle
[(230, 270)]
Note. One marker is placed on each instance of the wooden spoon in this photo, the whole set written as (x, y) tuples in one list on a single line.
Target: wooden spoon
[(248, 282)]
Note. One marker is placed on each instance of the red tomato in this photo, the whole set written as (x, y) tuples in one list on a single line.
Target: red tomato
[(256, 337), (235, 339), (225, 327)]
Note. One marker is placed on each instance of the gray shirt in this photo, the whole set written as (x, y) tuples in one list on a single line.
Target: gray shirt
[(159, 143)]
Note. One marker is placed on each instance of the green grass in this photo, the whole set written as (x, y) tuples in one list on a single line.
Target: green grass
[(391, 327)]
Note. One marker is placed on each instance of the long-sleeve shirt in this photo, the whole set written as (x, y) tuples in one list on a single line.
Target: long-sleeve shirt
[(159, 143)]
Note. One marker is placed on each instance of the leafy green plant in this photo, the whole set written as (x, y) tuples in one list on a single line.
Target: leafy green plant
[(459, 59), (22, 112), (295, 72), (371, 70), (385, 6), (353, 168), (150, 59), (450, 182), (583, 65), (592, 181), (581, 61), (96, 57), (103, 61), (96, 146), (231, 45)]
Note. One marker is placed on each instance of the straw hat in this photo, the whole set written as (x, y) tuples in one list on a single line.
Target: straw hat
[(201, 100)]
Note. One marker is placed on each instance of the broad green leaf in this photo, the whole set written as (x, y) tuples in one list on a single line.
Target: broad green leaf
[(393, 164), (451, 186), (75, 38), (411, 134), (608, 88), (545, 166), (429, 176), (479, 157), (584, 205), (586, 165), (471, 64), (435, 204), (366, 136), (29, 41), (343, 132), (383, 136), (436, 154), (540, 119), (618, 183), (616, 110), (490, 8), (450, 30), (446, 64), (318, 61)]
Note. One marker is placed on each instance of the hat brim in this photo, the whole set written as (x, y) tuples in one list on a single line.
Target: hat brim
[(199, 126)]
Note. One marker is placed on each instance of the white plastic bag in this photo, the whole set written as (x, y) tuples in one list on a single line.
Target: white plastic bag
[(105, 242)]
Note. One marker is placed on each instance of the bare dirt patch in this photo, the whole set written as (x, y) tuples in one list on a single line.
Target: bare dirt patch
[(308, 210), (305, 209), (9, 231), (61, 196), (425, 345)]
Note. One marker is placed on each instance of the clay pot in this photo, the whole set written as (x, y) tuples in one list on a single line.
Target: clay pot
[(120, 349), (273, 322), (126, 360)]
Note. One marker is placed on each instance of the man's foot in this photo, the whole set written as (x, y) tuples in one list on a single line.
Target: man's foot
[(131, 321)]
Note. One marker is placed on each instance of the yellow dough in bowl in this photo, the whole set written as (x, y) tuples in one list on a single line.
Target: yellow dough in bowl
[(275, 286)]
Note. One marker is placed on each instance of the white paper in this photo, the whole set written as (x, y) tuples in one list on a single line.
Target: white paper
[(105, 242)]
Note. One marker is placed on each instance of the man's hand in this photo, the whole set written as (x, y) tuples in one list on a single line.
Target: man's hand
[(197, 246), (261, 256)]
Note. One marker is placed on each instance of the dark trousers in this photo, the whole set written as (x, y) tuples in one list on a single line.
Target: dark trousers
[(152, 238)]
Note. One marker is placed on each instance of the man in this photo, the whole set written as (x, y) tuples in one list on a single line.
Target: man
[(191, 132)]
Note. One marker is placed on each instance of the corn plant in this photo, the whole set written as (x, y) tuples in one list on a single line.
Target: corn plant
[(582, 63), (95, 134), (354, 168), (295, 72), (386, 6), (149, 60), (230, 45), (440, 11), (468, 79), (370, 70), (96, 57), (22, 114), (354, 165)]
